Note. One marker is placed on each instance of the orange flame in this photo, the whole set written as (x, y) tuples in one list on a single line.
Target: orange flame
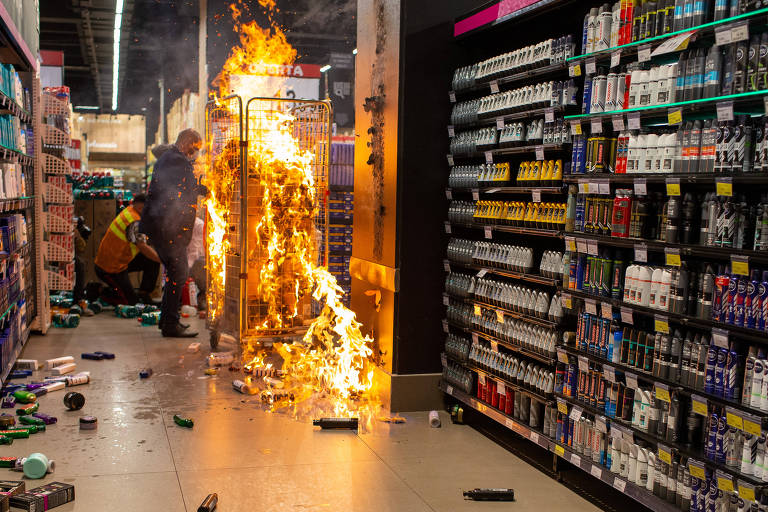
[(334, 358)]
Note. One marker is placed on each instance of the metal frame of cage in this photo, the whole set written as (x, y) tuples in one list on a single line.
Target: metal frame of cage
[(312, 128)]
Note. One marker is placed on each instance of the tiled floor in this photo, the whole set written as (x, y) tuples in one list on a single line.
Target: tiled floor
[(138, 459)]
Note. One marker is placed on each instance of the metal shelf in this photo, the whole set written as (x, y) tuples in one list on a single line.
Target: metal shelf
[(491, 118), (533, 394), (542, 358), (484, 84), (505, 190), (520, 276), (516, 150), (637, 493), (511, 229), (17, 351), (739, 178), (651, 379), (752, 335)]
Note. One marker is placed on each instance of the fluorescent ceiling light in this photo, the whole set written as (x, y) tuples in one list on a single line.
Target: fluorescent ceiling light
[(325, 68), (354, 52), (116, 51), (87, 107)]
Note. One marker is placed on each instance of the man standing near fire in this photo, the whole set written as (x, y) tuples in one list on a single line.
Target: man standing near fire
[(169, 219)]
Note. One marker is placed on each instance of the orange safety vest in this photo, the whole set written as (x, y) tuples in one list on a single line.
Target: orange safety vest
[(115, 251)]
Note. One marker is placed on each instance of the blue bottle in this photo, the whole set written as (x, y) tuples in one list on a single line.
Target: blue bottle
[(722, 357), (709, 373), (709, 451), (752, 302)]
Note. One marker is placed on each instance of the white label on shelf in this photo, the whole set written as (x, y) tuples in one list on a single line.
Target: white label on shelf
[(451, 132), (489, 157), (583, 187), (482, 272), (606, 310), (739, 32), (581, 245), (562, 356), (444, 359), (590, 306), (609, 373), (724, 111), (481, 378), (499, 123), (619, 484), (641, 187), (536, 195), (631, 379), (618, 122), (450, 160), (641, 253), (565, 300), (592, 247), (488, 232), (534, 436), (539, 152), (596, 126), (501, 388), (644, 53), (445, 326), (575, 459), (722, 36), (615, 58), (446, 300), (449, 194), (604, 187), (448, 228), (626, 316), (720, 338), (549, 115), (570, 244), (590, 67), (600, 424), (509, 423), (494, 86), (596, 471), (475, 194), (583, 364), (449, 390), (452, 96), (633, 120)]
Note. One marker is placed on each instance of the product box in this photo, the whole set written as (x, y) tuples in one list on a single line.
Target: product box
[(44, 497)]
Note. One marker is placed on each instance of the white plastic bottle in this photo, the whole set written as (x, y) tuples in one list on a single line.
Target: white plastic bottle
[(643, 286), (642, 148), (653, 298), (651, 151), (664, 290)]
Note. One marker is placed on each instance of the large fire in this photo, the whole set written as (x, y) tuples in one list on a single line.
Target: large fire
[(334, 360)]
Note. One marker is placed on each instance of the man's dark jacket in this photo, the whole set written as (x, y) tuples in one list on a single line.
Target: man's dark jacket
[(169, 213)]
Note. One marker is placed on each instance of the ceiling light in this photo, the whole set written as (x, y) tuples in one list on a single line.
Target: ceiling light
[(116, 51), (354, 52), (86, 107), (325, 68)]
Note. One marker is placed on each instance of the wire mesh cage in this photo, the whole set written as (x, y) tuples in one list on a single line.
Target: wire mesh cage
[(277, 198)]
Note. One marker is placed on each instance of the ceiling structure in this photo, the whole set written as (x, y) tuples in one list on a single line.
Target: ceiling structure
[(158, 39)]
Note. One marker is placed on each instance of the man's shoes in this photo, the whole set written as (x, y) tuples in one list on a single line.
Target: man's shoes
[(183, 326), (146, 298), (178, 331)]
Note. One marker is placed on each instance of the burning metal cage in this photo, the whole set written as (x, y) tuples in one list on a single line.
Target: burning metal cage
[(270, 163)]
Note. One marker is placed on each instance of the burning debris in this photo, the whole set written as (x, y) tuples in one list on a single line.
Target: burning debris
[(284, 184)]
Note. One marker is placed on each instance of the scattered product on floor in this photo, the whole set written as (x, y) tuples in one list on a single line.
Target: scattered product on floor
[(244, 388), (209, 503), (35, 466), (193, 348), (105, 355), (88, 423), (93, 357), (183, 422), (74, 401), (336, 423), (220, 358), (211, 371), (26, 364), (490, 495), (145, 373), (434, 419), (44, 497), (392, 419), (53, 363)]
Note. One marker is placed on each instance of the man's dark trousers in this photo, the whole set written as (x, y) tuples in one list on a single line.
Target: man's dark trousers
[(173, 255)]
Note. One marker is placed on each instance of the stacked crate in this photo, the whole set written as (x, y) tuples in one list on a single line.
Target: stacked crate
[(340, 213), (57, 191)]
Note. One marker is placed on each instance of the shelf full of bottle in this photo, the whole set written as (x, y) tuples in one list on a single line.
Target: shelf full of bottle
[(697, 80), (524, 217), (511, 139), (658, 413), (627, 26), (546, 176)]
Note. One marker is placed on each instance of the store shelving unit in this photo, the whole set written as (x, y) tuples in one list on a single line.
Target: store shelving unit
[(741, 416)]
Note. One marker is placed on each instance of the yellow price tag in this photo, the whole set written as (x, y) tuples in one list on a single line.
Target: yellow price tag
[(559, 450), (697, 471), (661, 325), (577, 70), (478, 310), (673, 189), (663, 395), (586, 188), (675, 117), (665, 456), (673, 259), (747, 493), (725, 484), (500, 316), (734, 421), (699, 408), (576, 128), (572, 245), (740, 267), (562, 407), (724, 188), (752, 427)]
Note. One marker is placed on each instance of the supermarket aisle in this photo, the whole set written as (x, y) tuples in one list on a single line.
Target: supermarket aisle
[(138, 459)]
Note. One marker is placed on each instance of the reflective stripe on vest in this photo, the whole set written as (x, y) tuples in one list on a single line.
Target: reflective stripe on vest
[(120, 225)]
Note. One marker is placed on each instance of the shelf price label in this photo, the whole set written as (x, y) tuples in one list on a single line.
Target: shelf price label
[(631, 380), (618, 122), (640, 186), (489, 157), (475, 194), (606, 310), (534, 436), (576, 127), (592, 247), (724, 187), (722, 36), (446, 300), (596, 126), (562, 356), (482, 272), (574, 70), (699, 405), (724, 481), (752, 424), (494, 86), (619, 484), (674, 116), (662, 392), (447, 227), (590, 67), (452, 96), (549, 115), (740, 265), (478, 310), (601, 425), (746, 491), (733, 418), (499, 123), (696, 469), (644, 53), (451, 131), (596, 472), (488, 232), (665, 454), (615, 58), (450, 160), (539, 152), (581, 245), (449, 194), (739, 32), (575, 459), (500, 316), (536, 195), (583, 364), (633, 120), (609, 373), (566, 300), (562, 406), (449, 390), (445, 326), (583, 187), (724, 111), (570, 244), (641, 253), (661, 324), (673, 187), (559, 450), (576, 413), (626, 316), (494, 346), (720, 338), (446, 265), (501, 388), (672, 257), (590, 306)]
